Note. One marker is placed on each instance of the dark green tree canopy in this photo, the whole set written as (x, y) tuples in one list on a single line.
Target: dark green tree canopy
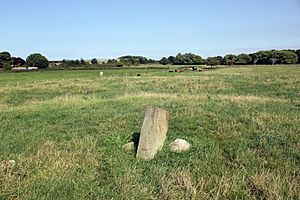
[(135, 60), (164, 61), (188, 59), (229, 59), (5, 60), (5, 56), (298, 54), (276, 57), (73, 63), (37, 60), (171, 59), (212, 61), (76, 62), (94, 61), (243, 59), (261, 57), (287, 57), (82, 61), (18, 61)]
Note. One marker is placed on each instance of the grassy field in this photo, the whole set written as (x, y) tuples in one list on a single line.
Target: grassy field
[(65, 130)]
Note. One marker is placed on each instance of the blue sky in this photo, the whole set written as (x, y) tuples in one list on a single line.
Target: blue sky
[(152, 28)]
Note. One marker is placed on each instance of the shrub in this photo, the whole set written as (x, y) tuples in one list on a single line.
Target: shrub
[(37, 60)]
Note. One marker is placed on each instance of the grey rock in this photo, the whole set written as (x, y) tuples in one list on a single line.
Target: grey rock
[(180, 145), (153, 134), (129, 146)]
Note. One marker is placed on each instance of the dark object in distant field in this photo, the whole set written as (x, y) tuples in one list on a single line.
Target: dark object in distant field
[(138, 75), (179, 70), (193, 68)]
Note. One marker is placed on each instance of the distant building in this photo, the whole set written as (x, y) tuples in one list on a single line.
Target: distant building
[(54, 63)]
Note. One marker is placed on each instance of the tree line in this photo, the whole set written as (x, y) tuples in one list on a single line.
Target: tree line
[(261, 57), (131, 60), (33, 60)]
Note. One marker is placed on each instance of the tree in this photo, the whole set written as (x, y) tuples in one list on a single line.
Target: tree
[(287, 57), (178, 59), (274, 57), (197, 59), (229, 59), (5, 60), (253, 58), (213, 61), (164, 61), (94, 61), (5, 56), (76, 62), (151, 61), (298, 54), (82, 61), (18, 61), (277, 57), (142, 60), (37, 60), (188, 59), (263, 57), (134, 60), (171, 59), (219, 58), (243, 59)]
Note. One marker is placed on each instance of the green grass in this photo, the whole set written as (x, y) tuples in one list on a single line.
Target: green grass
[(65, 130)]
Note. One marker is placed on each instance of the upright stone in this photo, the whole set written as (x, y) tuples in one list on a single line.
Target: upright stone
[(153, 134)]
